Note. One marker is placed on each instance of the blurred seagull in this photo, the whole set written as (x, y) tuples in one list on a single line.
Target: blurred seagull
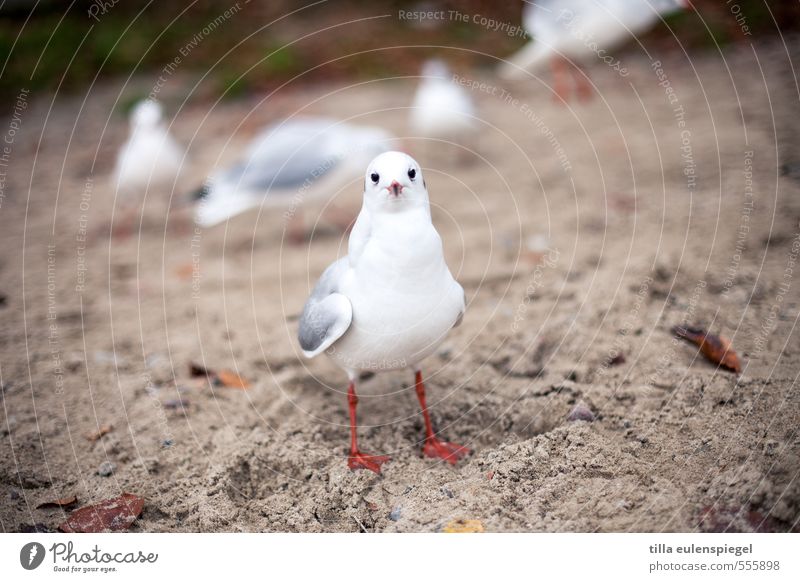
[(149, 159), (391, 301), (441, 109), (286, 165), (576, 31)]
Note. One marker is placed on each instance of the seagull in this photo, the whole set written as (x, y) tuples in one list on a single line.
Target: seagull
[(441, 109), (150, 158), (574, 31), (288, 164), (391, 300)]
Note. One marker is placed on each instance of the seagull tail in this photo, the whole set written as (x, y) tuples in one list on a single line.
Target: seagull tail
[(531, 58)]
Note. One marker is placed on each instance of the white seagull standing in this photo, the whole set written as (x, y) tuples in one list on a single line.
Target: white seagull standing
[(288, 164), (149, 159), (391, 301), (441, 109), (577, 31)]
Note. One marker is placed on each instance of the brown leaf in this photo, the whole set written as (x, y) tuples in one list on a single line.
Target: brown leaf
[(103, 430), (185, 271), (63, 502), (716, 348), (232, 380), (464, 526), (110, 515)]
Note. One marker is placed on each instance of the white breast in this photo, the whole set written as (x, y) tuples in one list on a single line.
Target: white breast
[(404, 301), (150, 158)]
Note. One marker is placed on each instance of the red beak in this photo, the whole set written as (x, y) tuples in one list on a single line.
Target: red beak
[(395, 188)]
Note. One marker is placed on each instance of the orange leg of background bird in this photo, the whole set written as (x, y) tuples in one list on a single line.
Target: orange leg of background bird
[(560, 86), (434, 447), (582, 84), (357, 459), (296, 228), (125, 225)]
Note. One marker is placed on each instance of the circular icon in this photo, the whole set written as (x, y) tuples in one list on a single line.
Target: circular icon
[(31, 555)]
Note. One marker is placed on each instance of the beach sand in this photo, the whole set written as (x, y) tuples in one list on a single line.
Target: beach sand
[(581, 235)]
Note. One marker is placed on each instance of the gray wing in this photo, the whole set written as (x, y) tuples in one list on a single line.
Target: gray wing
[(281, 170), (286, 154), (327, 314)]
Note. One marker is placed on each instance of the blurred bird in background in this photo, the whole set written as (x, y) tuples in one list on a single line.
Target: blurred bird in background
[(289, 164), (568, 33), (149, 162), (441, 109)]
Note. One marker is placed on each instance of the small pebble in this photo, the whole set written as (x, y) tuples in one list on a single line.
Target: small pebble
[(177, 404), (617, 360), (581, 412), (447, 492), (395, 514), (106, 469)]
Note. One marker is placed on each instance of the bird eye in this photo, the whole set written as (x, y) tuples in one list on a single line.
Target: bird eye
[(375, 177), (412, 173)]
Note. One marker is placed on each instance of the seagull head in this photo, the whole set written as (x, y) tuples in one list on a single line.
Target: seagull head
[(394, 183), (435, 69), (146, 113)]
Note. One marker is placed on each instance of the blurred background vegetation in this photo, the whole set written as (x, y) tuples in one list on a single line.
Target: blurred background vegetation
[(51, 45)]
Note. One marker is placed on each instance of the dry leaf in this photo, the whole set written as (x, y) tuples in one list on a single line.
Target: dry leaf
[(185, 271), (223, 378), (103, 430), (716, 348), (63, 502), (232, 380), (464, 526), (110, 515)]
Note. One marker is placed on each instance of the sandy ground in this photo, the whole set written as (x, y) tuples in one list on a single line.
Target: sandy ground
[(567, 258)]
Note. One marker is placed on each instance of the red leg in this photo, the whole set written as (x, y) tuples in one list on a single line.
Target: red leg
[(583, 85), (296, 227), (125, 225), (434, 447), (560, 86), (357, 459)]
